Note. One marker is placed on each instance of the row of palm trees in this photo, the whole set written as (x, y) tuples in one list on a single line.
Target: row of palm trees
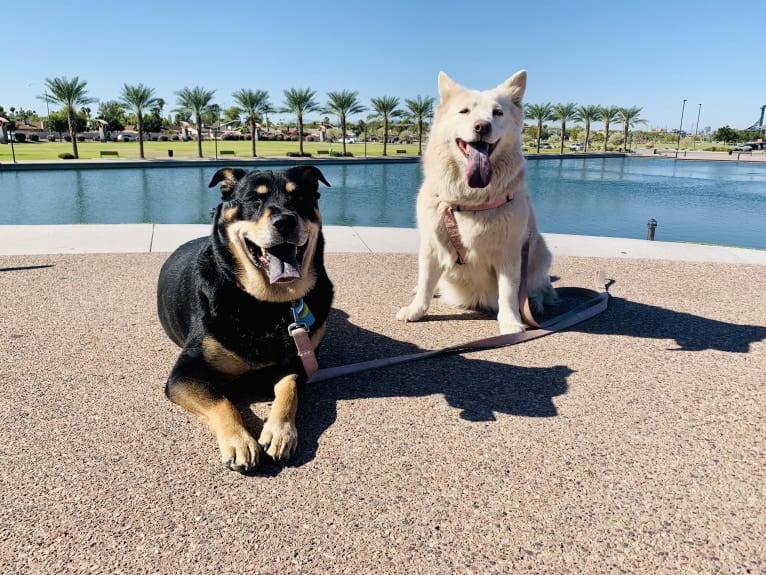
[(541, 113), (196, 101), (255, 104)]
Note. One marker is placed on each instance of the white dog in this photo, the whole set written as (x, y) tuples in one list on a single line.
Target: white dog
[(473, 211)]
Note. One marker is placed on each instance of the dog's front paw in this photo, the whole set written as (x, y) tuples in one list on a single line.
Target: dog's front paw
[(280, 439), (410, 313), (508, 327), (239, 451)]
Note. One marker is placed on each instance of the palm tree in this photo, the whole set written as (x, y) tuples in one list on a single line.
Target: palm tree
[(589, 113), (70, 94), (299, 102), (385, 107), (195, 101), (629, 118), (418, 110), (541, 113), (564, 113), (608, 115), (138, 98), (343, 104), (253, 103)]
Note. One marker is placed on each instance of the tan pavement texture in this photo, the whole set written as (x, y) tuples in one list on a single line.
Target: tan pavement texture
[(633, 443)]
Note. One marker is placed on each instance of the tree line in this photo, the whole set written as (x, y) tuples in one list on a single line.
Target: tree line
[(196, 104)]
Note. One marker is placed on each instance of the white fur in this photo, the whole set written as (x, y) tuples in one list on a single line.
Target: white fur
[(489, 279)]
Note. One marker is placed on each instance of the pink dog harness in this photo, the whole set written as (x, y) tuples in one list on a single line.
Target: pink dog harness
[(451, 224)]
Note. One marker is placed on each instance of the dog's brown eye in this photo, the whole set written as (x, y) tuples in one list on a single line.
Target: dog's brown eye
[(464, 111), (497, 112)]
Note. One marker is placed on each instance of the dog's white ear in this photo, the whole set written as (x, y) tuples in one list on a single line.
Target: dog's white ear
[(446, 86), (516, 85)]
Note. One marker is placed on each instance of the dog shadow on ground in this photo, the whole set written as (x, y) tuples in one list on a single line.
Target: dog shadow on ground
[(690, 332), (479, 389)]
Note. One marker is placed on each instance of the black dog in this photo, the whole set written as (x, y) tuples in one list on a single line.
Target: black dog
[(231, 301)]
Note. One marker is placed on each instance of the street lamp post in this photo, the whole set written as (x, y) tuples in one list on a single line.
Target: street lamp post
[(12, 138), (697, 129), (680, 128)]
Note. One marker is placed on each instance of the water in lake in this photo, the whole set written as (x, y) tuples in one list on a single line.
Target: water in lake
[(710, 202)]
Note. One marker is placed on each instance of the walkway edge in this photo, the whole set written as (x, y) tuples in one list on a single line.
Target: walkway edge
[(145, 238)]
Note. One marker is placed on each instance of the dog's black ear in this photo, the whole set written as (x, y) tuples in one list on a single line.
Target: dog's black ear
[(312, 174), (228, 177)]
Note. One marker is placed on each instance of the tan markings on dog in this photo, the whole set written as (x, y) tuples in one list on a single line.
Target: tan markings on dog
[(255, 280), (235, 443), (225, 360), (229, 214), (263, 189), (290, 186), (280, 436)]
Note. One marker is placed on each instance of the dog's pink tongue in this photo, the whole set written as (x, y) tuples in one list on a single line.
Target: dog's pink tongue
[(479, 169), (283, 264)]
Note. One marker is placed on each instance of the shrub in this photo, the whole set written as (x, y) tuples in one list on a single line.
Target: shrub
[(34, 138), (163, 138), (66, 156), (341, 154), (68, 138), (51, 138), (175, 137), (21, 137), (298, 155), (80, 138)]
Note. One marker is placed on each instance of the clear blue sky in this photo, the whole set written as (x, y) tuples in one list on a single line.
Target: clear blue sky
[(649, 53)]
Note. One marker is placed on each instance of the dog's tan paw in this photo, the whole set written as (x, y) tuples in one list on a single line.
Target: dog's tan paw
[(239, 451), (279, 440), (410, 313)]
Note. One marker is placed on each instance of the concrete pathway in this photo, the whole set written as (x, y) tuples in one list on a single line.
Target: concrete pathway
[(145, 238)]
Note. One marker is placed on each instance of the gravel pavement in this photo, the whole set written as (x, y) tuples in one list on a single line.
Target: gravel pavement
[(633, 443)]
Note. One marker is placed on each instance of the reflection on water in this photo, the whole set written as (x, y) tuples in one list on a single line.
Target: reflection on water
[(711, 202), (714, 202)]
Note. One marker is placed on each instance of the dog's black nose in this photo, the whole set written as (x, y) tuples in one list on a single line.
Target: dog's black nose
[(284, 223), (482, 128)]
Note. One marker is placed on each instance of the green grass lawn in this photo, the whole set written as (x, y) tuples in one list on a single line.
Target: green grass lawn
[(242, 149)]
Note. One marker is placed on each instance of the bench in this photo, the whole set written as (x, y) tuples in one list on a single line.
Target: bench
[(113, 153), (323, 152), (227, 153), (401, 151)]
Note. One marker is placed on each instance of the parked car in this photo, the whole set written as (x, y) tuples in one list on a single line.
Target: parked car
[(749, 146), (126, 138), (576, 147), (545, 146)]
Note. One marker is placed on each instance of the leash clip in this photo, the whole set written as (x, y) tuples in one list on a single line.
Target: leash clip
[(296, 325)]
